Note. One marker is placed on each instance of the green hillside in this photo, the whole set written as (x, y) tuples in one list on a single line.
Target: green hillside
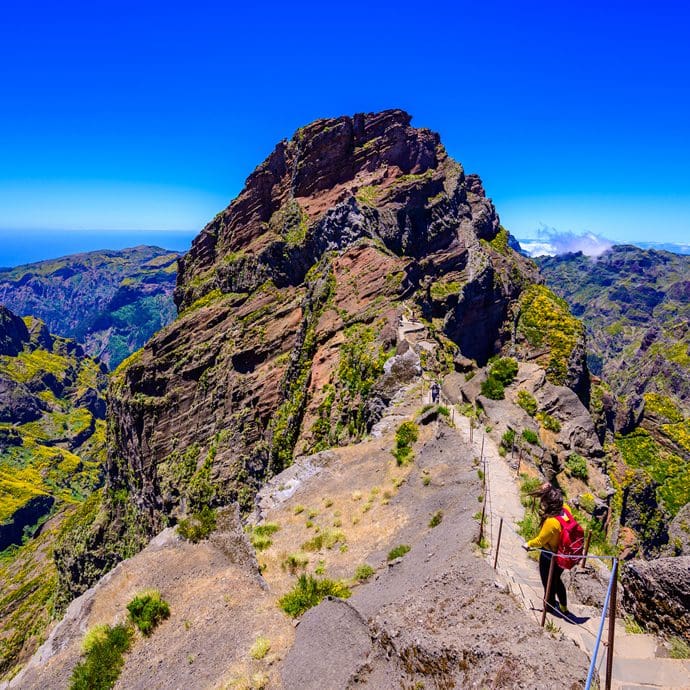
[(110, 301)]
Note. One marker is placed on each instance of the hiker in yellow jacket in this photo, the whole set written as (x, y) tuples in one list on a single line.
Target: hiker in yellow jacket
[(550, 506)]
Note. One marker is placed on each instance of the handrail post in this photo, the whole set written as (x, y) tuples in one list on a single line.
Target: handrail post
[(481, 523), (612, 625), (498, 542), (547, 591), (595, 650)]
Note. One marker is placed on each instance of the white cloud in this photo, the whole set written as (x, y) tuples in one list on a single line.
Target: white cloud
[(552, 242)]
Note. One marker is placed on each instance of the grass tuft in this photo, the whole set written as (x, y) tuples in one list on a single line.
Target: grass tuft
[(308, 592), (436, 519), (363, 572), (260, 648), (147, 610), (398, 552), (104, 648)]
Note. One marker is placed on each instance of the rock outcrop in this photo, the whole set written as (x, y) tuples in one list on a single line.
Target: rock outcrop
[(657, 593)]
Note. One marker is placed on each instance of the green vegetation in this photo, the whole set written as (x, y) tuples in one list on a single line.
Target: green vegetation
[(260, 535), (500, 242), (204, 301), (436, 519), (285, 424), (293, 562), (587, 502), (327, 538), (632, 627), (662, 406), (363, 572), (672, 473), (104, 649), (678, 648), (406, 434), (308, 592), (508, 439), (501, 373), (576, 466), (441, 289), (548, 422), (504, 370), (678, 433), (493, 389), (261, 647), (198, 525), (368, 195), (546, 320), (527, 402), (147, 610), (290, 222), (530, 436), (398, 552)]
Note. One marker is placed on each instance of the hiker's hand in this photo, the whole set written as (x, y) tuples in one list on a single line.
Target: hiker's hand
[(525, 546)]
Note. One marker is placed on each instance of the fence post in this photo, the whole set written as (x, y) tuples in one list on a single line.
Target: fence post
[(481, 523), (612, 625), (547, 591), (498, 542)]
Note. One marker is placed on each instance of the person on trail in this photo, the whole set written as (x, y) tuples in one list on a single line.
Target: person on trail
[(435, 390), (551, 507)]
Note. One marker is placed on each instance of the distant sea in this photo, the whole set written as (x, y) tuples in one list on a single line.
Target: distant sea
[(19, 247)]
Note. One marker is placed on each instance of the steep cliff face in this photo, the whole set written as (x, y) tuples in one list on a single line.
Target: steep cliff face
[(290, 302)]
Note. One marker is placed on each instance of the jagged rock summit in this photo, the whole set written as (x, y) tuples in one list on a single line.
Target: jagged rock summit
[(290, 304)]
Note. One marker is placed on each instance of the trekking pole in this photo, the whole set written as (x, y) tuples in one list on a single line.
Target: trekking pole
[(498, 541), (547, 592), (586, 551), (612, 625)]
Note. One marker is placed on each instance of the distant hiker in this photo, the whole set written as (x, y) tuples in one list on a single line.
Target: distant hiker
[(435, 391), (554, 514)]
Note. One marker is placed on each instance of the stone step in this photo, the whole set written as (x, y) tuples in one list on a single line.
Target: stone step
[(671, 674)]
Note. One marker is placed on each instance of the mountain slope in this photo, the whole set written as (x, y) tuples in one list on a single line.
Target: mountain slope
[(110, 301), (290, 302), (52, 448)]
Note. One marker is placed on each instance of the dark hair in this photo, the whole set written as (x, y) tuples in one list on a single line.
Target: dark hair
[(550, 501)]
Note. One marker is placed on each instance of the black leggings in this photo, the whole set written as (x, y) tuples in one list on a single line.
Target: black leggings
[(557, 587)]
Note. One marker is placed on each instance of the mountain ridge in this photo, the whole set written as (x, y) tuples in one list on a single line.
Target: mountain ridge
[(111, 301)]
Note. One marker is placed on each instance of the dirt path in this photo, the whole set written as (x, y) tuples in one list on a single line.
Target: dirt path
[(635, 662)]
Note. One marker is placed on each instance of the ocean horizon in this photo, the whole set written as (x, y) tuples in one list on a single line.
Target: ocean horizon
[(19, 247)]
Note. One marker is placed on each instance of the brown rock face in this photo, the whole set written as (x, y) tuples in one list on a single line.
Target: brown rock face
[(657, 593), (289, 306)]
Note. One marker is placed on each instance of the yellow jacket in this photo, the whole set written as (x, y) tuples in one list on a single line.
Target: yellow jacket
[(549, 536)]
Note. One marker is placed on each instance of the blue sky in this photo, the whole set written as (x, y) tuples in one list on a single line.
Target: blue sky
[(150, 115)]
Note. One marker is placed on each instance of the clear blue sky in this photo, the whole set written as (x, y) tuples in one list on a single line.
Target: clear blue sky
[(150, 115)]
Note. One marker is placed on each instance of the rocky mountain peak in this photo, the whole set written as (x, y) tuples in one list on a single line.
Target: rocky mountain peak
[(336, 180), (292, 301)]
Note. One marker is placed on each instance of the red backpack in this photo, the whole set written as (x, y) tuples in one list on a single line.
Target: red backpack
[(572, 541)]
